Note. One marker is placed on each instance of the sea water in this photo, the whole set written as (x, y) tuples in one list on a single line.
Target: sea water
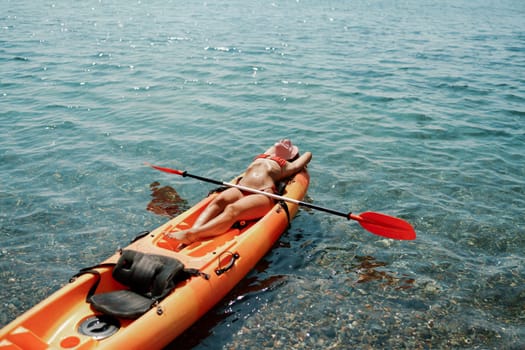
[(411, 108)]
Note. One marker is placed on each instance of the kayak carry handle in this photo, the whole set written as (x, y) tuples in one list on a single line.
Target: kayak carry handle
[(234, 256)]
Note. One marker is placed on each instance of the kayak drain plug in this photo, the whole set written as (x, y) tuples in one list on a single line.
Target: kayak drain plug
[(99, 326)]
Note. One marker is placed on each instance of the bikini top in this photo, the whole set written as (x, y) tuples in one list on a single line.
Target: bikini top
[(279, 160)]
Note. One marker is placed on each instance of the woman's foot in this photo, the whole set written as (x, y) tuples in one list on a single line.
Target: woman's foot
[(181, 236)]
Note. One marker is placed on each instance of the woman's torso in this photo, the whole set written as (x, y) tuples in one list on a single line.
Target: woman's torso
[(261, 174)]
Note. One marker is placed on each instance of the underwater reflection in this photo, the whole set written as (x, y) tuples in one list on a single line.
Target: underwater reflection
[(166, 201), (367, 271)]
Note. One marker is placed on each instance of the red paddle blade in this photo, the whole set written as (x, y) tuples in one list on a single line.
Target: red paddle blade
[(166, 170), (385, 225)]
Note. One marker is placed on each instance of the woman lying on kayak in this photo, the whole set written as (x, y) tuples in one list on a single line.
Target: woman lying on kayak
[(278, 162)]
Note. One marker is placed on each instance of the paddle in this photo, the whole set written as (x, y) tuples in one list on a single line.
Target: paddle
[(376, 223)]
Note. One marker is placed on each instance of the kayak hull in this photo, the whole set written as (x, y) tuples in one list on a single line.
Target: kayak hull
[(56, 321)]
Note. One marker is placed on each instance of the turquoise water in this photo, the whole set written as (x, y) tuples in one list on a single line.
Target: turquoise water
[(411, 108)]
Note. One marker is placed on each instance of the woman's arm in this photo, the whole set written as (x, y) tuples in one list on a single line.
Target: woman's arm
[(297, 165)]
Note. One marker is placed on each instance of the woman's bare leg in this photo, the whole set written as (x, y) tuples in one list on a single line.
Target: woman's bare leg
[(217, 205), (249, 207)]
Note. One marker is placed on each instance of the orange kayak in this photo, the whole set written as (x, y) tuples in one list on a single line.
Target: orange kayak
[(68, 320)]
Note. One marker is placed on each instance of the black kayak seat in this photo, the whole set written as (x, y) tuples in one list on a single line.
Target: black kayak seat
[(149, 279)]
